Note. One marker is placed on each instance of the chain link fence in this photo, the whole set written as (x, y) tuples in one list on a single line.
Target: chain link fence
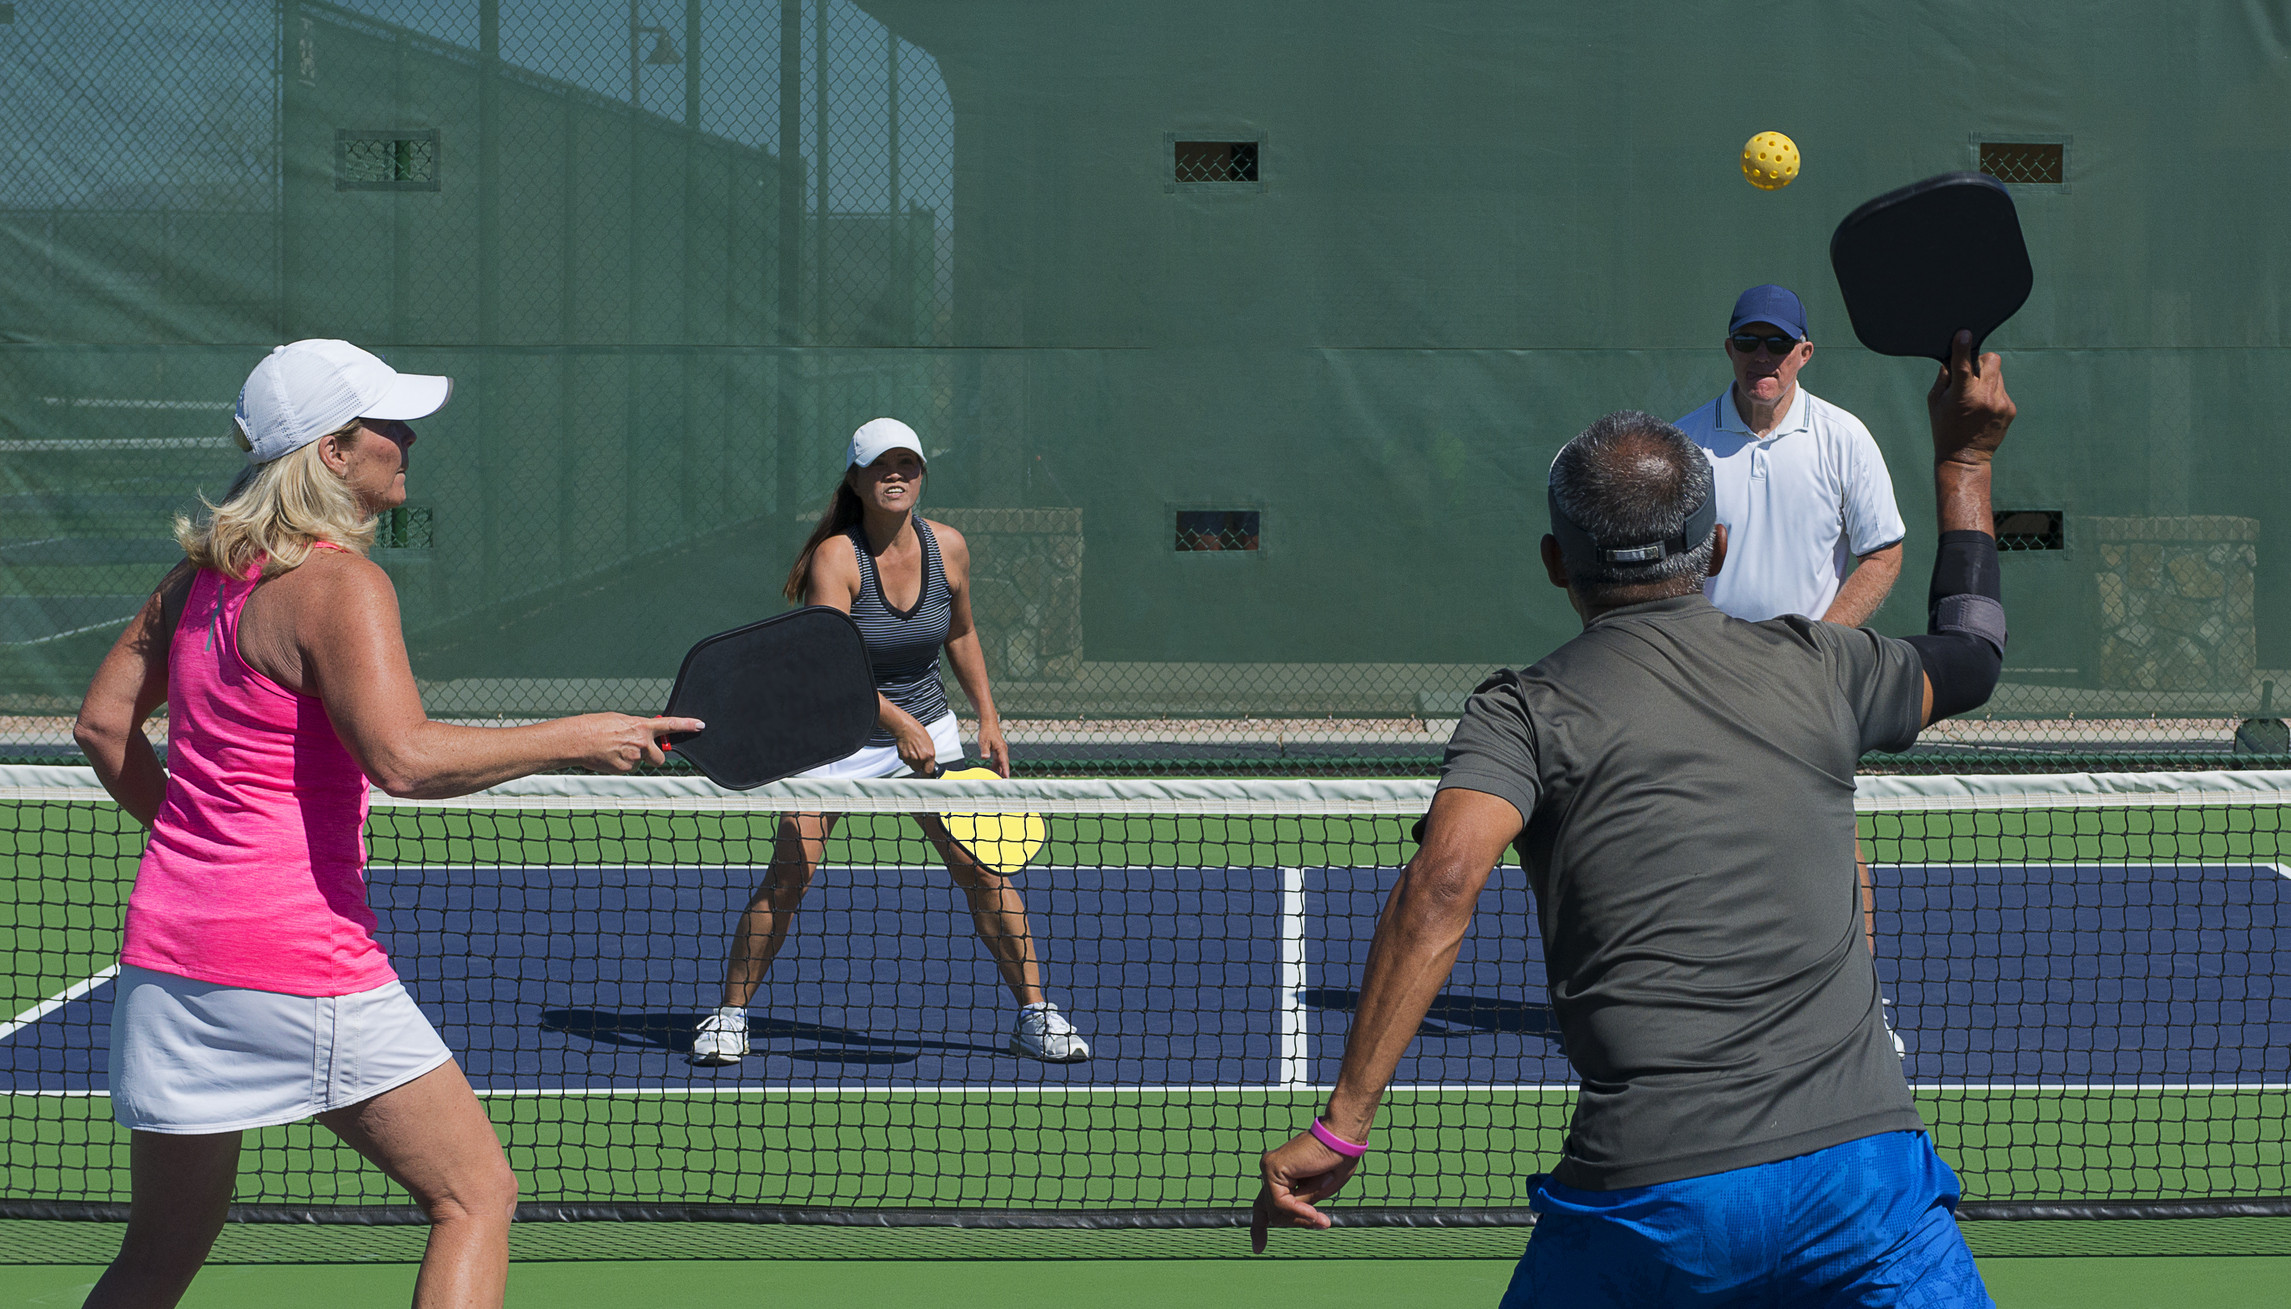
[(673, 251)]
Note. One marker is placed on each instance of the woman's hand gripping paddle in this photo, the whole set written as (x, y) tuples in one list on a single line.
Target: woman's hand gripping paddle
[(779, 696), (1919, 265), (1004, 842)]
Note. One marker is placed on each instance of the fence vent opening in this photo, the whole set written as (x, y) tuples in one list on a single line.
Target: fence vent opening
[(2030, 529), (403, 528), (7, 15), (385, 161), (2027, 163), (1217, 529), (1216, 161)]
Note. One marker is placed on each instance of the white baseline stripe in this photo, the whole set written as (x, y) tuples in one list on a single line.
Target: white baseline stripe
[(2279, 870), (56, 1001)]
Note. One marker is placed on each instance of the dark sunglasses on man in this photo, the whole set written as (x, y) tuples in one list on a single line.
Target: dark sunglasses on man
[(1748, 343)]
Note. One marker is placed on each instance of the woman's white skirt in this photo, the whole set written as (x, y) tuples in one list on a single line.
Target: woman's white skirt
[(884, 760), (189, 1058)]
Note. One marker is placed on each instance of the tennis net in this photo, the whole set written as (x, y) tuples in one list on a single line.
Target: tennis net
[(2086, 970)]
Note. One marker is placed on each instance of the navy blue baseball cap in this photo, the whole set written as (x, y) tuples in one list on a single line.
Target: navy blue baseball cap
[(1770, 304)]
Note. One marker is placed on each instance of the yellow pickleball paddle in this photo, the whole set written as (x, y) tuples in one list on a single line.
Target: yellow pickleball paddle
[(1004, 842)]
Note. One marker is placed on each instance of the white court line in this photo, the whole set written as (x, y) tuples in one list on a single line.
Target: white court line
[(2280, 870), (56, 1001), (1296, 1024)]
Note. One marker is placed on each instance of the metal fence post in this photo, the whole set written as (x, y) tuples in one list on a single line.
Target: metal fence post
[(787, 332), (488, 282)]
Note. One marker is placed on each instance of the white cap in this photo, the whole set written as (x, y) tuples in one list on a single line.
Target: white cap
[(302, 391), (879, 435)]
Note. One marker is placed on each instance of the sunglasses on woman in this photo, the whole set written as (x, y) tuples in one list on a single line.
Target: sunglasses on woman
[(1748, 343)]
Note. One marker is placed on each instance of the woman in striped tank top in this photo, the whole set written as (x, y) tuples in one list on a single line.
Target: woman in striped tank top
[(906, 583)]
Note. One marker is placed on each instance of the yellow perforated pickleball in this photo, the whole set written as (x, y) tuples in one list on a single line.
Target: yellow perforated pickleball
[(1003, 842), (1770, 161)]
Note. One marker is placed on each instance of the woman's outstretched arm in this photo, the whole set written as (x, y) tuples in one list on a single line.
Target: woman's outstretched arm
[(352, 652)]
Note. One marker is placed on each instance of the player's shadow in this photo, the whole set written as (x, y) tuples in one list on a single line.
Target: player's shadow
[(1457, 1013), (673, 1032)]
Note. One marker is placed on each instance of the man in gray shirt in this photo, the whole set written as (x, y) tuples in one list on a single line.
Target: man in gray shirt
[(1679, 785)]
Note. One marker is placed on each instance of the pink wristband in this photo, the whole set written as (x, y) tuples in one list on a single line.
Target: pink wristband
[(1349, 1149)]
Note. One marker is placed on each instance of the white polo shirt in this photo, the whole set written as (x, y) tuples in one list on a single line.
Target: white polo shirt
[(1799, 506)]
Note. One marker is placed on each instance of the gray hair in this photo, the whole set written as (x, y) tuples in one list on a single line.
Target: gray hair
[(1628, 479)]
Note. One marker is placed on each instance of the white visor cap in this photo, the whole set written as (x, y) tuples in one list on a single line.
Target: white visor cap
[(304, 390), (880, 435)]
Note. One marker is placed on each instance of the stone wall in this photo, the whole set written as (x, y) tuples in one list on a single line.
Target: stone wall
[(1026, 588), (2176, 602)]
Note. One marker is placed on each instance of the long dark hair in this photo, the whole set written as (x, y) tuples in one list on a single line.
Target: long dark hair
[(843, 513)]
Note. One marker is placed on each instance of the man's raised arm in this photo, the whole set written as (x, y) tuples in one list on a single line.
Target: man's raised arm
[(1963, 649)]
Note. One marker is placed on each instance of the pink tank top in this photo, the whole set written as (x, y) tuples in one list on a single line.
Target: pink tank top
[(255, 875)]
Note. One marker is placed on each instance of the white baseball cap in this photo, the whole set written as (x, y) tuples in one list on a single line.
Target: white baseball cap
[(878, 435), (304, 390)]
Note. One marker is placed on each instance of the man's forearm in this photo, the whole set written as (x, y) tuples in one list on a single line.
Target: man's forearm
[(1866, 587), (1963, 647), (1414, 952), (1961, 496)]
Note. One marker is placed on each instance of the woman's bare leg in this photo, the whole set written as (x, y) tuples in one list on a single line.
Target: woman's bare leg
[(182, 1189), (997, 909), (797, 849), (432, 1137)]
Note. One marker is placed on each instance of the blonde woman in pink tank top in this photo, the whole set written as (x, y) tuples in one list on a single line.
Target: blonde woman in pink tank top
[(252, 990)]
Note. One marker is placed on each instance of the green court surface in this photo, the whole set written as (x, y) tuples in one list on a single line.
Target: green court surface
[(2023, 1283)]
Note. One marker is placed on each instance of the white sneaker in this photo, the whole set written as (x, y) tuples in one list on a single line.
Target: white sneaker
[(1043, 1033), (1885, 1011), (722, 1039)]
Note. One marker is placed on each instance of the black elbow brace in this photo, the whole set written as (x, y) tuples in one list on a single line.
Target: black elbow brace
[(1964, 647)]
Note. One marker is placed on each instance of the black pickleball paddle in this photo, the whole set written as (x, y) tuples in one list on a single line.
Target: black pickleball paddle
[(789, 693), (1919, 264)]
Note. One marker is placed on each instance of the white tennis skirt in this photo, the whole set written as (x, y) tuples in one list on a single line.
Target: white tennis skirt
[(884, 760), (190, 1058)]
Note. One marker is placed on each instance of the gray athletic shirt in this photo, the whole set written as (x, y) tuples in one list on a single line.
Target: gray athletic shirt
[(1688, 782)]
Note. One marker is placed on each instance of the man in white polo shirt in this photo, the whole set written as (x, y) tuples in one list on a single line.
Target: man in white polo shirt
[(1811, 524), (1811, 527)]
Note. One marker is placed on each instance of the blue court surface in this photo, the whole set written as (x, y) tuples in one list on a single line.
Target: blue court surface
[(563, 978)]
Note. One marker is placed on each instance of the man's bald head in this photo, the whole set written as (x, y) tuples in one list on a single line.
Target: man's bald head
[(1627, 480)]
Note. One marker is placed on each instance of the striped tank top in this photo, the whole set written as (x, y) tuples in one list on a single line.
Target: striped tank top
[(903, 645)]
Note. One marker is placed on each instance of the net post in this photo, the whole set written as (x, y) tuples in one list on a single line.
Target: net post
[(1296, 1053)]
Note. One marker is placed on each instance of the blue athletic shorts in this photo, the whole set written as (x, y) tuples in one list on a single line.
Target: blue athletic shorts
[(1865, 1223)]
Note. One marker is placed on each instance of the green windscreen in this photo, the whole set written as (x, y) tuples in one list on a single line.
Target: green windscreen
[(1239, 337)]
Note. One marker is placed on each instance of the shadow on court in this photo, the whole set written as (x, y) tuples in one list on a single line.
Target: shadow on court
[(673, 1032), (1457, 1013)]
